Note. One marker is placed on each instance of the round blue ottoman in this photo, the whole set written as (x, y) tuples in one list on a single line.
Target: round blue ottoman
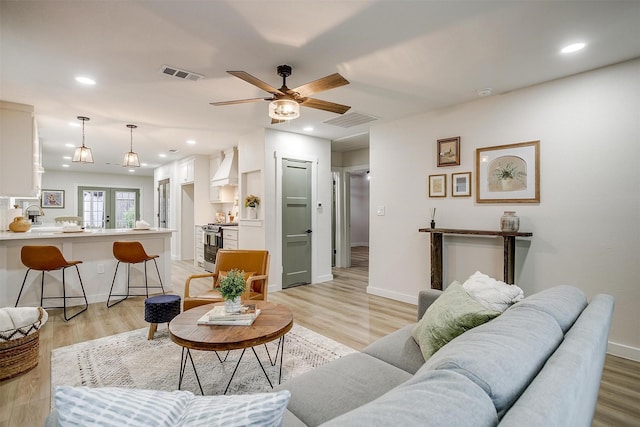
[(160, 309)]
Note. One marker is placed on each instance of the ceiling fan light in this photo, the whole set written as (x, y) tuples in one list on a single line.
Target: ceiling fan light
[(284, 109)]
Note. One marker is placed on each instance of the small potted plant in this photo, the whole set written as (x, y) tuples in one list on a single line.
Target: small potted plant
[(232, 286), (251, 202), (507, 173)]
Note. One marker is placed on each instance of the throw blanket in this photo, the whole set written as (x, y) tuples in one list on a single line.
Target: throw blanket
[(491, 293), (16, 322)]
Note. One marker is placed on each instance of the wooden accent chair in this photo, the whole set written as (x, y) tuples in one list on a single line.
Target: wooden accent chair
[(254, 263)]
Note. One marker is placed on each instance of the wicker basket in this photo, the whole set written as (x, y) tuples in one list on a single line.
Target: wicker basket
[(20, 355)]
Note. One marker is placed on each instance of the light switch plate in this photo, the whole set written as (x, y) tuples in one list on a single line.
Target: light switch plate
[(380, 210)]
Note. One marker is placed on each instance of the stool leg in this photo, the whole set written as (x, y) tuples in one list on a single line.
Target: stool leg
[(153, 327), (159, 278), (111, 290), (146, 282), (22, 287), (42, 290), (86, 303)]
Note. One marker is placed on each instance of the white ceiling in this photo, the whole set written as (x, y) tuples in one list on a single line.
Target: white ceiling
[(401, 57)]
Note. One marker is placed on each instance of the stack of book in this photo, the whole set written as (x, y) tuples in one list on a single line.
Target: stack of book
[(218, 316)]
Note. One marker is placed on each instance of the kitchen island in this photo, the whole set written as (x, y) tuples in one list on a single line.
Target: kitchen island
[(94, 248)]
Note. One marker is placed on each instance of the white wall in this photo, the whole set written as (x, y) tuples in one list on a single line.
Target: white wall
[(70, 181), (586, 228), (359, 210)]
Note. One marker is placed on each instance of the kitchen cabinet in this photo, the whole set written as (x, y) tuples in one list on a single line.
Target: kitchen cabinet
[(20, 153), (198, 259), (229, 238), (186, 171)]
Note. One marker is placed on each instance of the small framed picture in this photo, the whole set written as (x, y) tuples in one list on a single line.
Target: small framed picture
[(52, 199), (461, 184), (438, 185), (449, 152)]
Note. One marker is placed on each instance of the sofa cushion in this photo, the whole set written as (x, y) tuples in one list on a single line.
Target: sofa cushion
[(399, 349), (452, 314), (566, 390), (340, 386), (563, 303), (110, 406), (503, 355), (436, 398)]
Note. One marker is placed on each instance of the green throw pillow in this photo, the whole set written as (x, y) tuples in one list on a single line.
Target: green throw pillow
[(453, 313)]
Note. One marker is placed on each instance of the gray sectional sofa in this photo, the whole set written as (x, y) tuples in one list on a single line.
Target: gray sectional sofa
[(537, 364)]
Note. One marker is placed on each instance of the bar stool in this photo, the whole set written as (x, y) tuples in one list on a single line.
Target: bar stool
[(132, 253), (49, 258)]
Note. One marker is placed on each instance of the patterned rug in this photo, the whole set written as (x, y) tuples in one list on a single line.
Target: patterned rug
[(130, 360)]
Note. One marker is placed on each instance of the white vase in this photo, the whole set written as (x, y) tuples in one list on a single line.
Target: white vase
[(232, 305), (253, 213)]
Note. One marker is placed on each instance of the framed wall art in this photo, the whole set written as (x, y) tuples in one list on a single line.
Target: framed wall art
[(52, 199), (508, 173), (438, 185), (449, 152), (461, 184)]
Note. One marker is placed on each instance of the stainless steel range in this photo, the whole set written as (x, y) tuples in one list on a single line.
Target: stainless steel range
[(212, 243)]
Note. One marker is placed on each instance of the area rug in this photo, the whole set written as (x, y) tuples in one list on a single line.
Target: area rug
[(130, 360)]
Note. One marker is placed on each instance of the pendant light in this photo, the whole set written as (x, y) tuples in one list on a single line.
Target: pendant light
[(82, 154), (131, 158)]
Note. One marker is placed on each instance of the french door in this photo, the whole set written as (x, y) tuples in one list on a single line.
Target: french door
[(109, 207)]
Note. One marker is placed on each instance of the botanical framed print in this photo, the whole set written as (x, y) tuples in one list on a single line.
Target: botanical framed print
[(508, 173), (438, 185), (52, 199), (461, 184), (449, 151)]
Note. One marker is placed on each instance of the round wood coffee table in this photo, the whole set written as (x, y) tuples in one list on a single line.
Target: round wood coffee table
[(274, 322)]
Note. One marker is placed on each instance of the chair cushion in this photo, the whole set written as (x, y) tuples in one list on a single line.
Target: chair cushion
[(452, 314)]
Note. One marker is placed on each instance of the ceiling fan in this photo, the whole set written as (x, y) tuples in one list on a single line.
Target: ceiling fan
[(285, 102)]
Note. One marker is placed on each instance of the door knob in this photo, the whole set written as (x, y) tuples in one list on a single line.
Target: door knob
[(308, 231)]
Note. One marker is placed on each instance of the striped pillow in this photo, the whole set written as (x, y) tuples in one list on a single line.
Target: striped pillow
[(110, 406)]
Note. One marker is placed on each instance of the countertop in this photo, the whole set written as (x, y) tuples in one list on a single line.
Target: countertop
[(56, 232)]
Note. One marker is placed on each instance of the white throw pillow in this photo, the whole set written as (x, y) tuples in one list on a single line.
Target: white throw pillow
[(111, 406), (491, 293)]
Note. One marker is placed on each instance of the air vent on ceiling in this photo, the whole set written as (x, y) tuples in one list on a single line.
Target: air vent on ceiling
[(350, 119), (180, 74)]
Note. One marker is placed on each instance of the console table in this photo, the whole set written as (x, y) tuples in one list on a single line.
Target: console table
[(436, 250)]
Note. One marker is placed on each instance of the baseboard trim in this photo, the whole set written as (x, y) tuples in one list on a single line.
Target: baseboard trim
[(392, 295), (325, 278), (624, 351)]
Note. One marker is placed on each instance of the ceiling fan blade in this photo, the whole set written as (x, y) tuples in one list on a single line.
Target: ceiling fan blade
[(325, 105), (325, 83), (240, 101), (255, 81)]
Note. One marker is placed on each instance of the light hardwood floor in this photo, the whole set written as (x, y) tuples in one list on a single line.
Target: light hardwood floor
[(340, 309)]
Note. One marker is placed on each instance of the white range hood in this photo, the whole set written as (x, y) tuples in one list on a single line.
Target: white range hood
[(227, 173)]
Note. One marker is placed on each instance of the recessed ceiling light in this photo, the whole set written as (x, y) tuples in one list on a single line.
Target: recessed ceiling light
[(75, 125), (67, 157), (307, 128), (65, 166), (162, 155), (484, 91), (191, 141), (144, 164), (68, 144), (85, 80), (573, 47), (132, 170)]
